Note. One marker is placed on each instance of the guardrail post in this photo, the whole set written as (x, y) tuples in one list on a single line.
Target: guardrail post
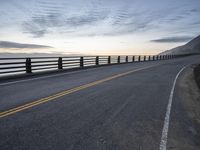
[(126, 59), (97, 60), (153, 58), (157, 57), (133, 58), (160, 57), (28, 65), (60, 66), (149, 58), (139, 58), (109, 59), (144, 58), (81, 62), (118, 60)]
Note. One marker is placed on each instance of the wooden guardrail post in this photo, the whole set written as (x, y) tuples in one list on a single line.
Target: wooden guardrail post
[(160, 57), (126, 59), (149, 58), (139, 58), (60, 65), (109, 59), (144, 58), (157, 57), (81, 62), (28, 65), (153, 58), (118, 60), (97, 60), (133, 59)]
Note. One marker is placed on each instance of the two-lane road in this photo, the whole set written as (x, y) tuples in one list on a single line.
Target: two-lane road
[(119, 107)]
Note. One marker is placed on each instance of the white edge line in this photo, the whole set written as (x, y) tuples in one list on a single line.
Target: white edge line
[(163, 142)]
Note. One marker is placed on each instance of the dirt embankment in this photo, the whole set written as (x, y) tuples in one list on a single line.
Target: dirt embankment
[(197, 75)]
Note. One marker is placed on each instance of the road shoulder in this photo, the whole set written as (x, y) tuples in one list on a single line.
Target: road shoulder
[(184, 131)]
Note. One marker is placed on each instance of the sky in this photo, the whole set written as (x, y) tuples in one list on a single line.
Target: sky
[(97, 27)]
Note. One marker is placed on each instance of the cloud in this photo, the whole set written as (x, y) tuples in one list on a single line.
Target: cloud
[(175, 39), (35, 30), (101, 17), (7, 44), (87, 19), (52, 17)]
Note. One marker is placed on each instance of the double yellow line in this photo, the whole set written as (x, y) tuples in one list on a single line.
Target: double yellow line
[(55, 96)]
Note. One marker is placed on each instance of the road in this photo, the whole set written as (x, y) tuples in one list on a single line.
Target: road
[(118, 107)]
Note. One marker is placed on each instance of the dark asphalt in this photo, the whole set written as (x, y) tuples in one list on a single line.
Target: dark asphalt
[(125, 113)]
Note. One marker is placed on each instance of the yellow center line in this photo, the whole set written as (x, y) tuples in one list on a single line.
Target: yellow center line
[(66, 92)]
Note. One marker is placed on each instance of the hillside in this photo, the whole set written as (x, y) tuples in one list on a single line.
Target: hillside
[(191, 47)]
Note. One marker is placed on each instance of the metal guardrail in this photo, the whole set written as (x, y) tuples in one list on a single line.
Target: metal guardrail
[(9, 66)]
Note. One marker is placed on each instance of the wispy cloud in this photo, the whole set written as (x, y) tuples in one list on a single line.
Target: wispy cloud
[(54, 16), (7, 44), (175, 39), (101, 18)]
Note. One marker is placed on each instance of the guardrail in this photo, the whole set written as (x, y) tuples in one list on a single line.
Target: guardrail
[(9, 66)]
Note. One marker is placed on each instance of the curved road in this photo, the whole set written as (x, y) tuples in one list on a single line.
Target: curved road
[(119, 107)]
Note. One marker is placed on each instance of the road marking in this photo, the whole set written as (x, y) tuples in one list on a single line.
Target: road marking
[(163, 142), (66, 92)]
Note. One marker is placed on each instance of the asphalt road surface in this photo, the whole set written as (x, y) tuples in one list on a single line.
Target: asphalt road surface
[(119, 107)]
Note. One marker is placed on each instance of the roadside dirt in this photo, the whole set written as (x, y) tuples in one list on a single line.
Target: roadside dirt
[(197, 75), (184, 132)]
